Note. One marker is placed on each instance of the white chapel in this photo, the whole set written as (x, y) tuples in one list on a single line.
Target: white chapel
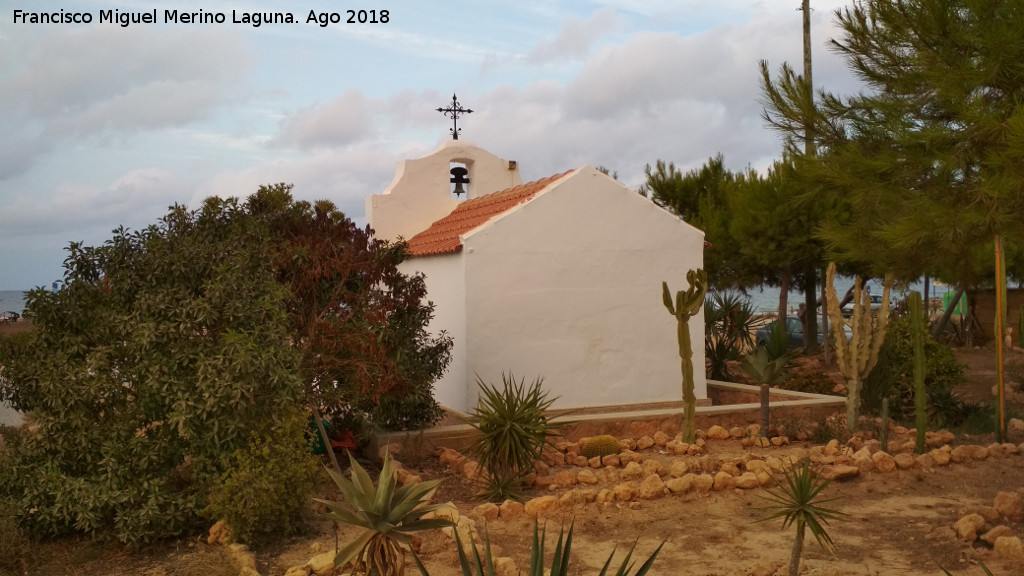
[(558, 278)]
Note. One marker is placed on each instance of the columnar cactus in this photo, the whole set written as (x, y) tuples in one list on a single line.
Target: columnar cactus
[(687, 304), (857, 357), (917, 330)]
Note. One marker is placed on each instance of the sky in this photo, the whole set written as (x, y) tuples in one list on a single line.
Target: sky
[(106, 125)]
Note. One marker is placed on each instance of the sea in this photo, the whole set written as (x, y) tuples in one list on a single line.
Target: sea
[(12, 301)]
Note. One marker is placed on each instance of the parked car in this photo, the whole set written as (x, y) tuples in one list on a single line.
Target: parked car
[(795, 330), (876, 305)]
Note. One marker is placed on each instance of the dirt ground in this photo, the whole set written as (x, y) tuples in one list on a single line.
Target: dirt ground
[(889, 527)]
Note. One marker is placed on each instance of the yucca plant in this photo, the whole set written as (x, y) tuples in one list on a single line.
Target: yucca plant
[(797, 503), (388, 516), (559, 562), (767, 371), (511, 430)]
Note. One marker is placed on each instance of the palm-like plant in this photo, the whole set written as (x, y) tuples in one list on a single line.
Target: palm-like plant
[(728, 319), (797, 503), (388, 516), (512, 429), (559, 562), (768, 372)]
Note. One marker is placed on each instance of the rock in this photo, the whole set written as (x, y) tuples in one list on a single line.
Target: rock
[(884, 463), (703, 482), (541, 468), (747, 481), (818, 456), (322, 564), (627, 456), (832, 448), (736, 432), (241, 557), (774, 464), (755, 466), (680, 485), (1009, 505), (632, 471), (652, 488), (219, 533), (541, 506), (661, 439), (576, 497), (451, 458), (605, 495), (586, 477), (968, 526), (1015, 425), (997, 532), (780, 440), (764, 478), (511, 509), (989, 513), (730, 468), (247, 571), (505, 566), (471, 469), (678, 468), (609, 475), (626, 490), (924, 461), (839, 472), (644, 442), (961, 454), (565, 478), (1011, 449), (627, 444), (904, 461), (940, 456), (298, 571), (1009, 547), (764, 568), (716, 432), (596, 463), (942, 534), (723, 481), (680, 448), (611, 460), (580, 461), (652, 467), (487, 511), (695, 449), (408, 479)]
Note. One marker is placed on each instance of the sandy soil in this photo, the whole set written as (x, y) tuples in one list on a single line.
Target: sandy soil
[(889, 527)]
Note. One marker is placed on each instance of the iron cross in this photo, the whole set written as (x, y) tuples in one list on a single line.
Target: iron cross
[(455, 110)]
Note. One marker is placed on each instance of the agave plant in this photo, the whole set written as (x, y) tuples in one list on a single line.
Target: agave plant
[(559, 562), (797, 503), (512, 428), (388, 517)]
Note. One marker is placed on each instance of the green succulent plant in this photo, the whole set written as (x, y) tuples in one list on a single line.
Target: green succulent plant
[(559, 562), (798, 504), (388, 515), (512, 428), (603, 445)]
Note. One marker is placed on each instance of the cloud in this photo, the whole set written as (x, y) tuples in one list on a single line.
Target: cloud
[(134, 199), (96, 80), (574, 38), (340, 122)]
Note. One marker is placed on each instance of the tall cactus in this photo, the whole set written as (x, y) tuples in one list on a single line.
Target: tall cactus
[(687, 304), (857, 357), (917, 330)]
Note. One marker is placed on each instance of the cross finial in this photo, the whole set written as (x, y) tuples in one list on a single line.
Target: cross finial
[(455, 109)]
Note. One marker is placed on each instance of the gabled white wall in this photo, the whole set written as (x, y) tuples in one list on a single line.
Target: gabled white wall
[(420, 193), (568, 287), (446, 288)]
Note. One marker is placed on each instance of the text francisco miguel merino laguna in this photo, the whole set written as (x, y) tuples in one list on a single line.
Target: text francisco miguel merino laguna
[(201, 17)]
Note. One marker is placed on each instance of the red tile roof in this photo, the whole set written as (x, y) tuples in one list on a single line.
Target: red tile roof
[(442, 237)]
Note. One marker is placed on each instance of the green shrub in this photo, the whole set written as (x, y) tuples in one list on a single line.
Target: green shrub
[(14, 546), (893, 376), (512, 428), (812, 382), (266, 489)]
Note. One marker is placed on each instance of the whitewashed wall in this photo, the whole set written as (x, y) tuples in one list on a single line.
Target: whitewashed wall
[(568, 287)]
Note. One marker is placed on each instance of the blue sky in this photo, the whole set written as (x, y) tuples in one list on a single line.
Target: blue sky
[(105, 126)]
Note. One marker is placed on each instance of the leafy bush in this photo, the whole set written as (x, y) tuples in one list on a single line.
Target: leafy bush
[(511, 430), (727, 331), (893, 377), (14, 546), (265, 490)]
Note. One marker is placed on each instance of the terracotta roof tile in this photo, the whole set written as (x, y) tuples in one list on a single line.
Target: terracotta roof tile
[(443, 236)]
